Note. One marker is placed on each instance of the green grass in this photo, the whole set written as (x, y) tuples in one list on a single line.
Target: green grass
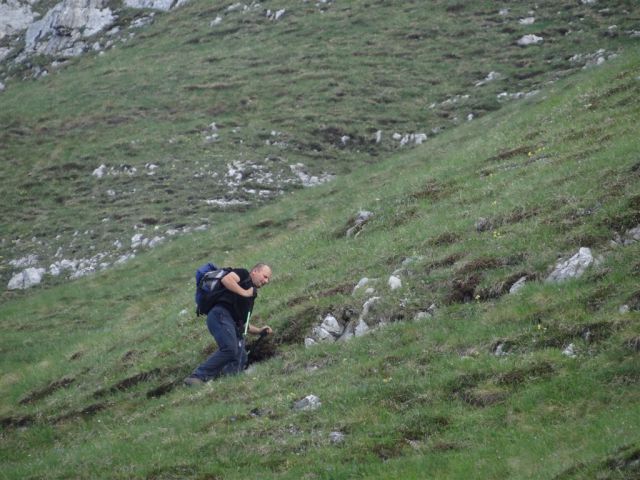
[(91, 369)]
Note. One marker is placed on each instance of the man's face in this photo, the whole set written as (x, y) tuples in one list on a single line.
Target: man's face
[(260, 276)]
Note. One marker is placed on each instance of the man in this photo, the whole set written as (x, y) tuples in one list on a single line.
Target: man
[(226, 322)]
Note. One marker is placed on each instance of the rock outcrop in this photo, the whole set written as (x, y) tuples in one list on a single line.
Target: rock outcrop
[(64, 29)]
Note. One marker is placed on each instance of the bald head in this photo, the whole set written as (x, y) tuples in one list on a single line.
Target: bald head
[(260, 274)]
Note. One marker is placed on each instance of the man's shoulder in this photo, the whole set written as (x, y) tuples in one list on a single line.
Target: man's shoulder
[(240, 271)]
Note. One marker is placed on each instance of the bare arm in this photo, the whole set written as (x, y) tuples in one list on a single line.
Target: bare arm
[(231, 282), (258, 330)]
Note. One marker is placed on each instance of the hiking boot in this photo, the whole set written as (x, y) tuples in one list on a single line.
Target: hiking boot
[(193, 381)]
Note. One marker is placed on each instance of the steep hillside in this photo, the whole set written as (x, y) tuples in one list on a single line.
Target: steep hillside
[(170, 121), (457, 376)]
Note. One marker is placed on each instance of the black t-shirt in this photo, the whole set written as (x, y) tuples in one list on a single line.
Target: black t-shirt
[(238, 306)]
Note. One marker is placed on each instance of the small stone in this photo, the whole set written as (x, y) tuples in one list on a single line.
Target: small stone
[(394, 282), (331, 325), (500, 350), (569, 351), (361, 328), (336, 437), (483, 225), (530, 40), (624, 309), (310, 402), (518, 285), (363, 281), (100, 171)]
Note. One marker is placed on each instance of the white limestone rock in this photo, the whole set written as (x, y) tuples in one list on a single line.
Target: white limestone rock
[(573, 267), (310, 402), (518, 285), (530, 39), (163, 5), (26, 279), (394, 282), (100, 172)]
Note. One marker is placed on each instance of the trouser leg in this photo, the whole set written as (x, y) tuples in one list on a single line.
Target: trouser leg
[(223, 329)]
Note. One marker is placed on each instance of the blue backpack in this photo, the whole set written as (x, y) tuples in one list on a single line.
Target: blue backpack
[(209, 288)]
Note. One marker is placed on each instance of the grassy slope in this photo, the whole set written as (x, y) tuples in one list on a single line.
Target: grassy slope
[(416, 399), (314, 76)]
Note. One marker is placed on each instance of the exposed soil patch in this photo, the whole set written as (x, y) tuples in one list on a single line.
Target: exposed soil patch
[(502, 287), (338, 137), (466, 381), (483, 397), (634, 302), (624, 463), (446, 447), (342, 289), (387, 451), (629, 219), (88, 411), (261, 349), (176, 471), (423, 427), (633, 344), (559, 336), (297, 326), (48, 390), (597, 299), (211, 86), (445, 262), (16, 422), (518, 376), (479, 265), (432, 190), (76, 355), (163, 389), (128, 383), (462, 290), (521, 214), (446, 238), (514, 152)]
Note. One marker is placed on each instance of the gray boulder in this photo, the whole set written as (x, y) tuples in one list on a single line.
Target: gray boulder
[(26, 279), (572, 268)]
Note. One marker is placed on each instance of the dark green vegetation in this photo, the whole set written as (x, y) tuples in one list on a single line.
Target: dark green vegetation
[(91, 369)]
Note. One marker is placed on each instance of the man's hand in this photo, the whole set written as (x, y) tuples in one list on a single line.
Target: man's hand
[(265, 331), (262, 331)]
